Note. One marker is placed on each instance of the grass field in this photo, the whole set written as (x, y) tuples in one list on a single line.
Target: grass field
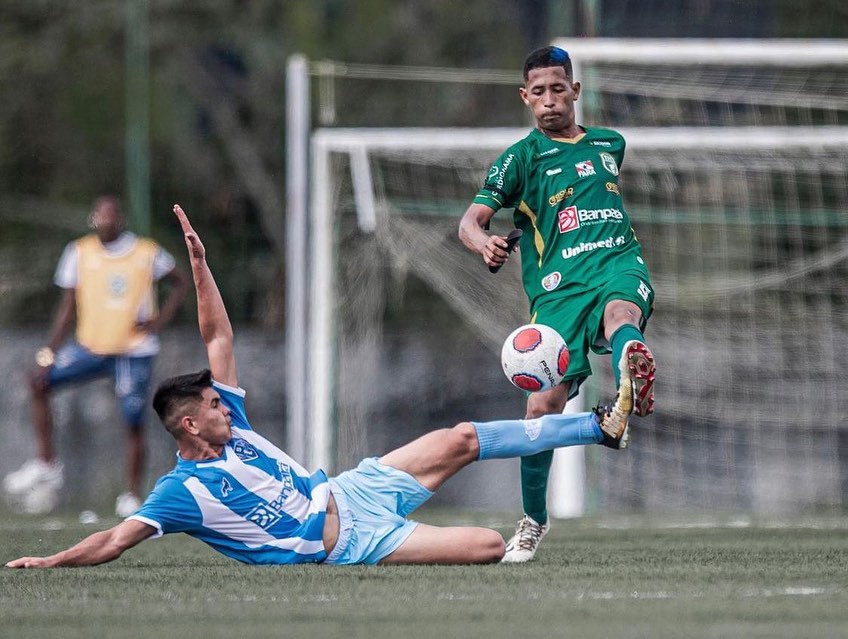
[(605, 577)]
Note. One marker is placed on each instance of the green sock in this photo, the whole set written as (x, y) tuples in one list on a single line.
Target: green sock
[(534, 484), (624, 334)]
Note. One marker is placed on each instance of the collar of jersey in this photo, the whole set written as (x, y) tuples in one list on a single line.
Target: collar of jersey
[(194, 462), (122, 245), (573, 140)]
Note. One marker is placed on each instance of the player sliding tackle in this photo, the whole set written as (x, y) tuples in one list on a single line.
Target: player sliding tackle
[(239, 493)]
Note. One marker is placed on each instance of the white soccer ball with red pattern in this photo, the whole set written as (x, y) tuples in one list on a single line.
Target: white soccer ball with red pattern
[(534, 357)]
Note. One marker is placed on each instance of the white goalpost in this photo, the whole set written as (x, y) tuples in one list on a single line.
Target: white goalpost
[(735, 177)]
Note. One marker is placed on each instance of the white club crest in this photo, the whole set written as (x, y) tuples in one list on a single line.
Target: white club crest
[(609, 163)]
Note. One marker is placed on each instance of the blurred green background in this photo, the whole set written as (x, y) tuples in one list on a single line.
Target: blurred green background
[(78, 80)]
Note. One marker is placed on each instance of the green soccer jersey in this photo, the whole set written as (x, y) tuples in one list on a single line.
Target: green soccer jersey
[(566, 199)]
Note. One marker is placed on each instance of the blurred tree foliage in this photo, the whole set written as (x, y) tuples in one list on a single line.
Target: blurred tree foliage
[(218, 112), (217, 119)]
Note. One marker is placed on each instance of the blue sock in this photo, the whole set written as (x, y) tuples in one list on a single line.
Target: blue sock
[(520, 437), (624, 334)]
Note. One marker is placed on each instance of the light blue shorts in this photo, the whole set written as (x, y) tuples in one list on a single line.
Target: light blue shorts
[(373, 502), (132, 375)]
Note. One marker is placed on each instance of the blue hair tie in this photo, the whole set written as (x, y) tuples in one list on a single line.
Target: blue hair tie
[(559, 55)]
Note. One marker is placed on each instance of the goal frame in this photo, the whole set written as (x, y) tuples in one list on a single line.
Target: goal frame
[(309, 272)]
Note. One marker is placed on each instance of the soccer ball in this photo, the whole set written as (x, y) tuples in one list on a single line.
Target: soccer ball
[(534, 357)]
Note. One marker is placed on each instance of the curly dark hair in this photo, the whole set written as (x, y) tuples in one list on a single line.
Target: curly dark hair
[(548, 57)]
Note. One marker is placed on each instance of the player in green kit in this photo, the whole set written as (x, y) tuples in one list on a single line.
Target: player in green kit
[(581, 264)]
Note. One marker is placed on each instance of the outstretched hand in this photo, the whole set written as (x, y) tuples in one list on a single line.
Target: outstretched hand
[(196, 250), (30, 562)]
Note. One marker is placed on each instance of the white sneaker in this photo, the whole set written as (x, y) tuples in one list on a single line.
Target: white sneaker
[(126, 504), (522, 547), (41, 499), (35, 473)]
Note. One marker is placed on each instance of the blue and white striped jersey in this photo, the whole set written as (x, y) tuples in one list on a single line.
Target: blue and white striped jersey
[(254, 503)]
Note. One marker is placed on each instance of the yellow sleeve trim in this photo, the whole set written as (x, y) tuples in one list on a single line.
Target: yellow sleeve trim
[(538, 241)]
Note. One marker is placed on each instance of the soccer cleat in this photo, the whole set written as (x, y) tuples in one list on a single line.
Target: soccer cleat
[(522, 547), (126, 504), (615, 422), (620, 442), (638, 371), (34, 473)]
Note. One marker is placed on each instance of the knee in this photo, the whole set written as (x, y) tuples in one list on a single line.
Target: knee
[(618, 313), (463, 439), (490, 547)]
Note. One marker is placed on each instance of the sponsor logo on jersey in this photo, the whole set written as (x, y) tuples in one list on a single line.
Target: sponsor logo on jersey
[(497, 173), (550, 172), (601, 143), (551, 280), (644, 290), (612, 187), (549, 152), (588, 247), (585, 168), (263, 516), (600, 215), (559, 197), (609, 163), (568, 219), (288, 486)]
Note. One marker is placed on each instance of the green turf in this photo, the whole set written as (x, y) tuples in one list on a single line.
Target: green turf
[(614, 577)]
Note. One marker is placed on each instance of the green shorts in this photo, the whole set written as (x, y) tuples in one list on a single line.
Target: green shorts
[(578, 317)]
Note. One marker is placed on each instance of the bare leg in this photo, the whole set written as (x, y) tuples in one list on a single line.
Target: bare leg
[(455, 545), (136, 455), (435, 457), (617, 313), (42, 419), (551, 402)]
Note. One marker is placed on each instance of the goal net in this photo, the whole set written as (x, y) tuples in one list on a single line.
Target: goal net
[(736, 179)]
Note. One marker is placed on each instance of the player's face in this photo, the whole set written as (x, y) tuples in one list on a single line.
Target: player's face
[(107, 219), (551, 96), (213, 419)]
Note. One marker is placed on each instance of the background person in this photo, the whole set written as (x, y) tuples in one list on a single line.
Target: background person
[(108, 279)]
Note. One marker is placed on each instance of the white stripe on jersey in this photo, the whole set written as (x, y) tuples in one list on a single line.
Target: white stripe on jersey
[(252, 478), (217, 517), (270, 450), (297, 505)]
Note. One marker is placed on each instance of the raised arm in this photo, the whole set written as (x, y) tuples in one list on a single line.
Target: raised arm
[(98, 548), (215, 327)]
